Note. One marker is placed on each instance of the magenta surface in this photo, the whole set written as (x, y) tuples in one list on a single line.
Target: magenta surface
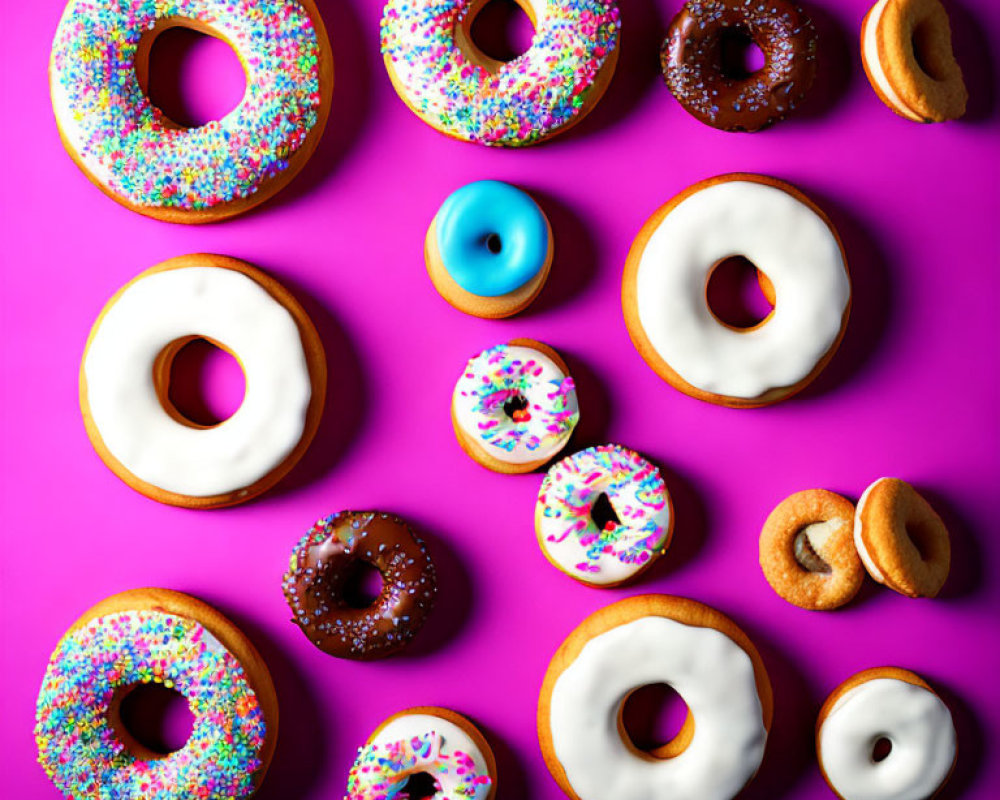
[(913, 393)]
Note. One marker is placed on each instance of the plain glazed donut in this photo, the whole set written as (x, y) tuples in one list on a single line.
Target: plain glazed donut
[(885, 704), (138, 432), (647, 640), (453, 86), (321, 568), (98, 75), (425, 748), (666, 277), (159, 636)]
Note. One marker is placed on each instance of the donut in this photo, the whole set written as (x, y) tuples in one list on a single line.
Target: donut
[(646, 640), (147, 636), (98, 79), (807, 550), (514, 406), (907, 54), (488, 249), (901, 540), (666, 277), (134, 426), (603, 515), (426, 748), (694, 68), (884, 734), (447, 81), (320, 572)]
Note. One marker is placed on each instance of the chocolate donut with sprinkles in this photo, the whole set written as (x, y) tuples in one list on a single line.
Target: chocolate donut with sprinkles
[(323, 567), (694, 61), (442, 75), (137, 155)]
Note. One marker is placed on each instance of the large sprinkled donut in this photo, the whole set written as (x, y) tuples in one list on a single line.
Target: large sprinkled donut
[(157, 636), (453, 86), (98, 76), (322, 566), (603, 515), (790, 241), (646, 640), (125, 374)]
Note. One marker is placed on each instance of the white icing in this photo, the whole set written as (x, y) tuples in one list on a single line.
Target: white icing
[(818, 533), (870, 47), (233, 310), (859, 542), (914, 720), (785, 239), (713, 675)]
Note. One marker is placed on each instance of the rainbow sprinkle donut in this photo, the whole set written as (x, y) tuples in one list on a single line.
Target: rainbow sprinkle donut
[(99, 72), (452, 85)]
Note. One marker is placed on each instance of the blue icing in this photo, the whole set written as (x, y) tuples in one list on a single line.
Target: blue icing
[(491, 212)]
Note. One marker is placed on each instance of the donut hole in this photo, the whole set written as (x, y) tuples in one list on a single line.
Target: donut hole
[(494, 244), (926, 53), (736, 293), (362, 584), (154, 720), (881, 749), (500, 30), (739, 55), (515, 406), (922, 536), (656, 721), (202, 384), (418, 786), (603, 513)]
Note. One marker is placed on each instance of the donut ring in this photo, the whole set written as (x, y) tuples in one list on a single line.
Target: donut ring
[(137, 431), (807, 550), (514, 408), (434, 745), (666, 277), (320, 570), (901, 540), (148, 636), (489, 249), (447, 81), (907, 54), (644, 640), (692, 62), (893, 704), (99, 73)]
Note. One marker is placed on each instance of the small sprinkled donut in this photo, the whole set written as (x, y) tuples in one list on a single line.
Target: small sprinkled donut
[(125, 382), (488, 249), (807, 550), (640, 641), (901, 540), (885, 734), (603, 515), (322, 566), (453, 86), (422, 752), (147, 636), (514, 407), (789, 239), (907, 54), (99, 73), (693, 65)]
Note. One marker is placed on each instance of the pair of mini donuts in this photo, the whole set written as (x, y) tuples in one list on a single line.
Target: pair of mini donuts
[(816, 546)]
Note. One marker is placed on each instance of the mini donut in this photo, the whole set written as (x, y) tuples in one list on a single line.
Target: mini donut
[(901, 540), (666, 278), (98, 78), (807, 550), (427, 748), (603, 515), (139, 433), (322, 566), (694, 70), (447, 81), (514, 407), (885, 704), (647, 640), (488, 249), (907, 54), (146, 636)]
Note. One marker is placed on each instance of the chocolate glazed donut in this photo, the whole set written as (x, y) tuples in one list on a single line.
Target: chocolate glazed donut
[(694, 63), (320, 572)]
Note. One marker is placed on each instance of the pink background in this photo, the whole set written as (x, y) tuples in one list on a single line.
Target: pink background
[(913, 392)]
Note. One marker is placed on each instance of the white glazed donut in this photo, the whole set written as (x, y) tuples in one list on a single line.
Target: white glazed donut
[(126, 366), (892, 704), (788, 239)]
